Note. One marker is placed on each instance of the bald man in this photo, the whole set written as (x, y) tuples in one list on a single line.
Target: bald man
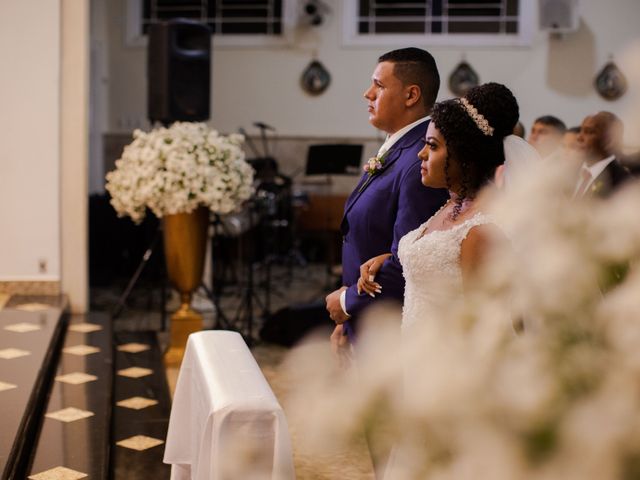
[(600, 143)]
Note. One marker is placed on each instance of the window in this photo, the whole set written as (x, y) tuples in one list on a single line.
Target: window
[(224, 17), (232, 22), (438, 22)]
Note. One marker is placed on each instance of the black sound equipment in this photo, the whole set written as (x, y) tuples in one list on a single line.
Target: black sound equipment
[(338, 159), (179, 71), (289, 325)]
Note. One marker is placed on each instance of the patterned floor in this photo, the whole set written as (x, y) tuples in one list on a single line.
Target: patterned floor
[(78, 410), (136, 398)]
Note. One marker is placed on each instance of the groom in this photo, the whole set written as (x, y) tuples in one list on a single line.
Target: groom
[(389, 200)]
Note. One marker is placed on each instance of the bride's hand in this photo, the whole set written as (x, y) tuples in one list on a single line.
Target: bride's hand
[(368, 272)]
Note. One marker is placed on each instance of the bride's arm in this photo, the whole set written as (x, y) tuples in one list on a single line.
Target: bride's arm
[(368, 272)]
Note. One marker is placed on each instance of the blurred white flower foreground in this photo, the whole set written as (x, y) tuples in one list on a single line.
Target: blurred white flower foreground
[(466, 395), (179, 168)]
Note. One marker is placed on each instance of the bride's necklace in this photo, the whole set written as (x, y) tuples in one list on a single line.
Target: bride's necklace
[(443, 216)]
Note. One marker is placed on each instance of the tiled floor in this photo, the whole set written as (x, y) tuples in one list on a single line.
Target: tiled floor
[(26, 366), (137, 402), (142, 408), (74, 439), (77, 421)]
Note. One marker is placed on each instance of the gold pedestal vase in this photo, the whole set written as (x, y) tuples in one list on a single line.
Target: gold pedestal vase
[(185, 242)]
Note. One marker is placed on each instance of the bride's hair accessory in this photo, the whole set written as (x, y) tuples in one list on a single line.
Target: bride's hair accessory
[(477, 117)]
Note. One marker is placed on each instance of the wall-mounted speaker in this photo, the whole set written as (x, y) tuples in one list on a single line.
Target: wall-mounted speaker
[(179, 71), (558, 16)]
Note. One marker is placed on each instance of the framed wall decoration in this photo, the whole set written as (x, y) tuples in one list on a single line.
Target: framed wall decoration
[(315, 78), (463, 78), (610, 82)]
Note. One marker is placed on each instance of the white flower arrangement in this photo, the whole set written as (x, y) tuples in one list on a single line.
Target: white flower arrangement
[(466, 395), (178, 169)]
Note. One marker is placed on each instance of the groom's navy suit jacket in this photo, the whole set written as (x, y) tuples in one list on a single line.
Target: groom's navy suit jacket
[(378, 213)]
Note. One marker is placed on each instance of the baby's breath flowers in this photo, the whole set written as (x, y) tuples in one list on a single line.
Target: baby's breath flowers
[(179, 168)]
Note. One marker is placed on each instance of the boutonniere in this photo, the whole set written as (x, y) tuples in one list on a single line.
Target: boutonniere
[(597, 186), (373, 167), (375, 164)]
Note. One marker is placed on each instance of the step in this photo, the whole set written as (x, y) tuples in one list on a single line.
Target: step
[(75, 431), (31, 331), (142, 408)]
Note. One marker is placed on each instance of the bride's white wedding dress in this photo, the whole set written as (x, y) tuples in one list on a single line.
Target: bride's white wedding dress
[(431, 268)]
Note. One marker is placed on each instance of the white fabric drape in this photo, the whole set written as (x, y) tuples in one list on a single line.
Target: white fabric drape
[(225, 420)]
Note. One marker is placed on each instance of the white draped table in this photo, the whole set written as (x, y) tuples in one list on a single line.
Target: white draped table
[(225, 420)]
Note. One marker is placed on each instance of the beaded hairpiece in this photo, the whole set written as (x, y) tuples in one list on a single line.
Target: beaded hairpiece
[(477, 117)]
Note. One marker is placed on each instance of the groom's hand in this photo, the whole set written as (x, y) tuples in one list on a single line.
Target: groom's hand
[(334, 308), (340, 347)]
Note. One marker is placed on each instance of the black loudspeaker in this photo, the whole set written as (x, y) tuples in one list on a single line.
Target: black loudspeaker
[(179, 71)]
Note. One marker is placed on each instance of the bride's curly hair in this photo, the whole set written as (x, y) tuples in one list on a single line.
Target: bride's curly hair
[(477, 154)]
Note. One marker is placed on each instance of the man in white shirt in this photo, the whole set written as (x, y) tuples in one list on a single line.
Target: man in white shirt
[(600, 142)]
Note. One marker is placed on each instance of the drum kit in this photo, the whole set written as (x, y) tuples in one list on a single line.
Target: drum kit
[(247, 244)]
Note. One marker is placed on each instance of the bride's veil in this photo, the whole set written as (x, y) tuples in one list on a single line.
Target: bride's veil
[(519, 156)]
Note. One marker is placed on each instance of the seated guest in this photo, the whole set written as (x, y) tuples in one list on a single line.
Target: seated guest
[(570, 147), (546, 135), (570, 139), (600, 143)]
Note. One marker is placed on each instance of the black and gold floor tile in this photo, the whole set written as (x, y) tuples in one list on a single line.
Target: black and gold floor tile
[(6, 386), (140, 442), (133, 347), (137, 403), (11, 353), (81, 350), (58, 473)]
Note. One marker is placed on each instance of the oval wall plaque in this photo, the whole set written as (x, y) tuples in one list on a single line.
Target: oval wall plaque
[(315, 78)]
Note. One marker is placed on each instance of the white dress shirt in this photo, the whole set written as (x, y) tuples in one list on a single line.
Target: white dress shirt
[(394, 137), (595, 170)]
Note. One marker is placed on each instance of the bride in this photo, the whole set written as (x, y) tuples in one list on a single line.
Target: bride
[(464, 147)]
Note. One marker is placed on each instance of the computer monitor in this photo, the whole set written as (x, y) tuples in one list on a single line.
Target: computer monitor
[(334, 159)]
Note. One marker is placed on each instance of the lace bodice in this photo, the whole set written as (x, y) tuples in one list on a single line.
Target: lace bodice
[(431, 268)]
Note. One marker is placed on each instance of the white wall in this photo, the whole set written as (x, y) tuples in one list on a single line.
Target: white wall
[(29, 135), (551, 76), (74, 151)]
